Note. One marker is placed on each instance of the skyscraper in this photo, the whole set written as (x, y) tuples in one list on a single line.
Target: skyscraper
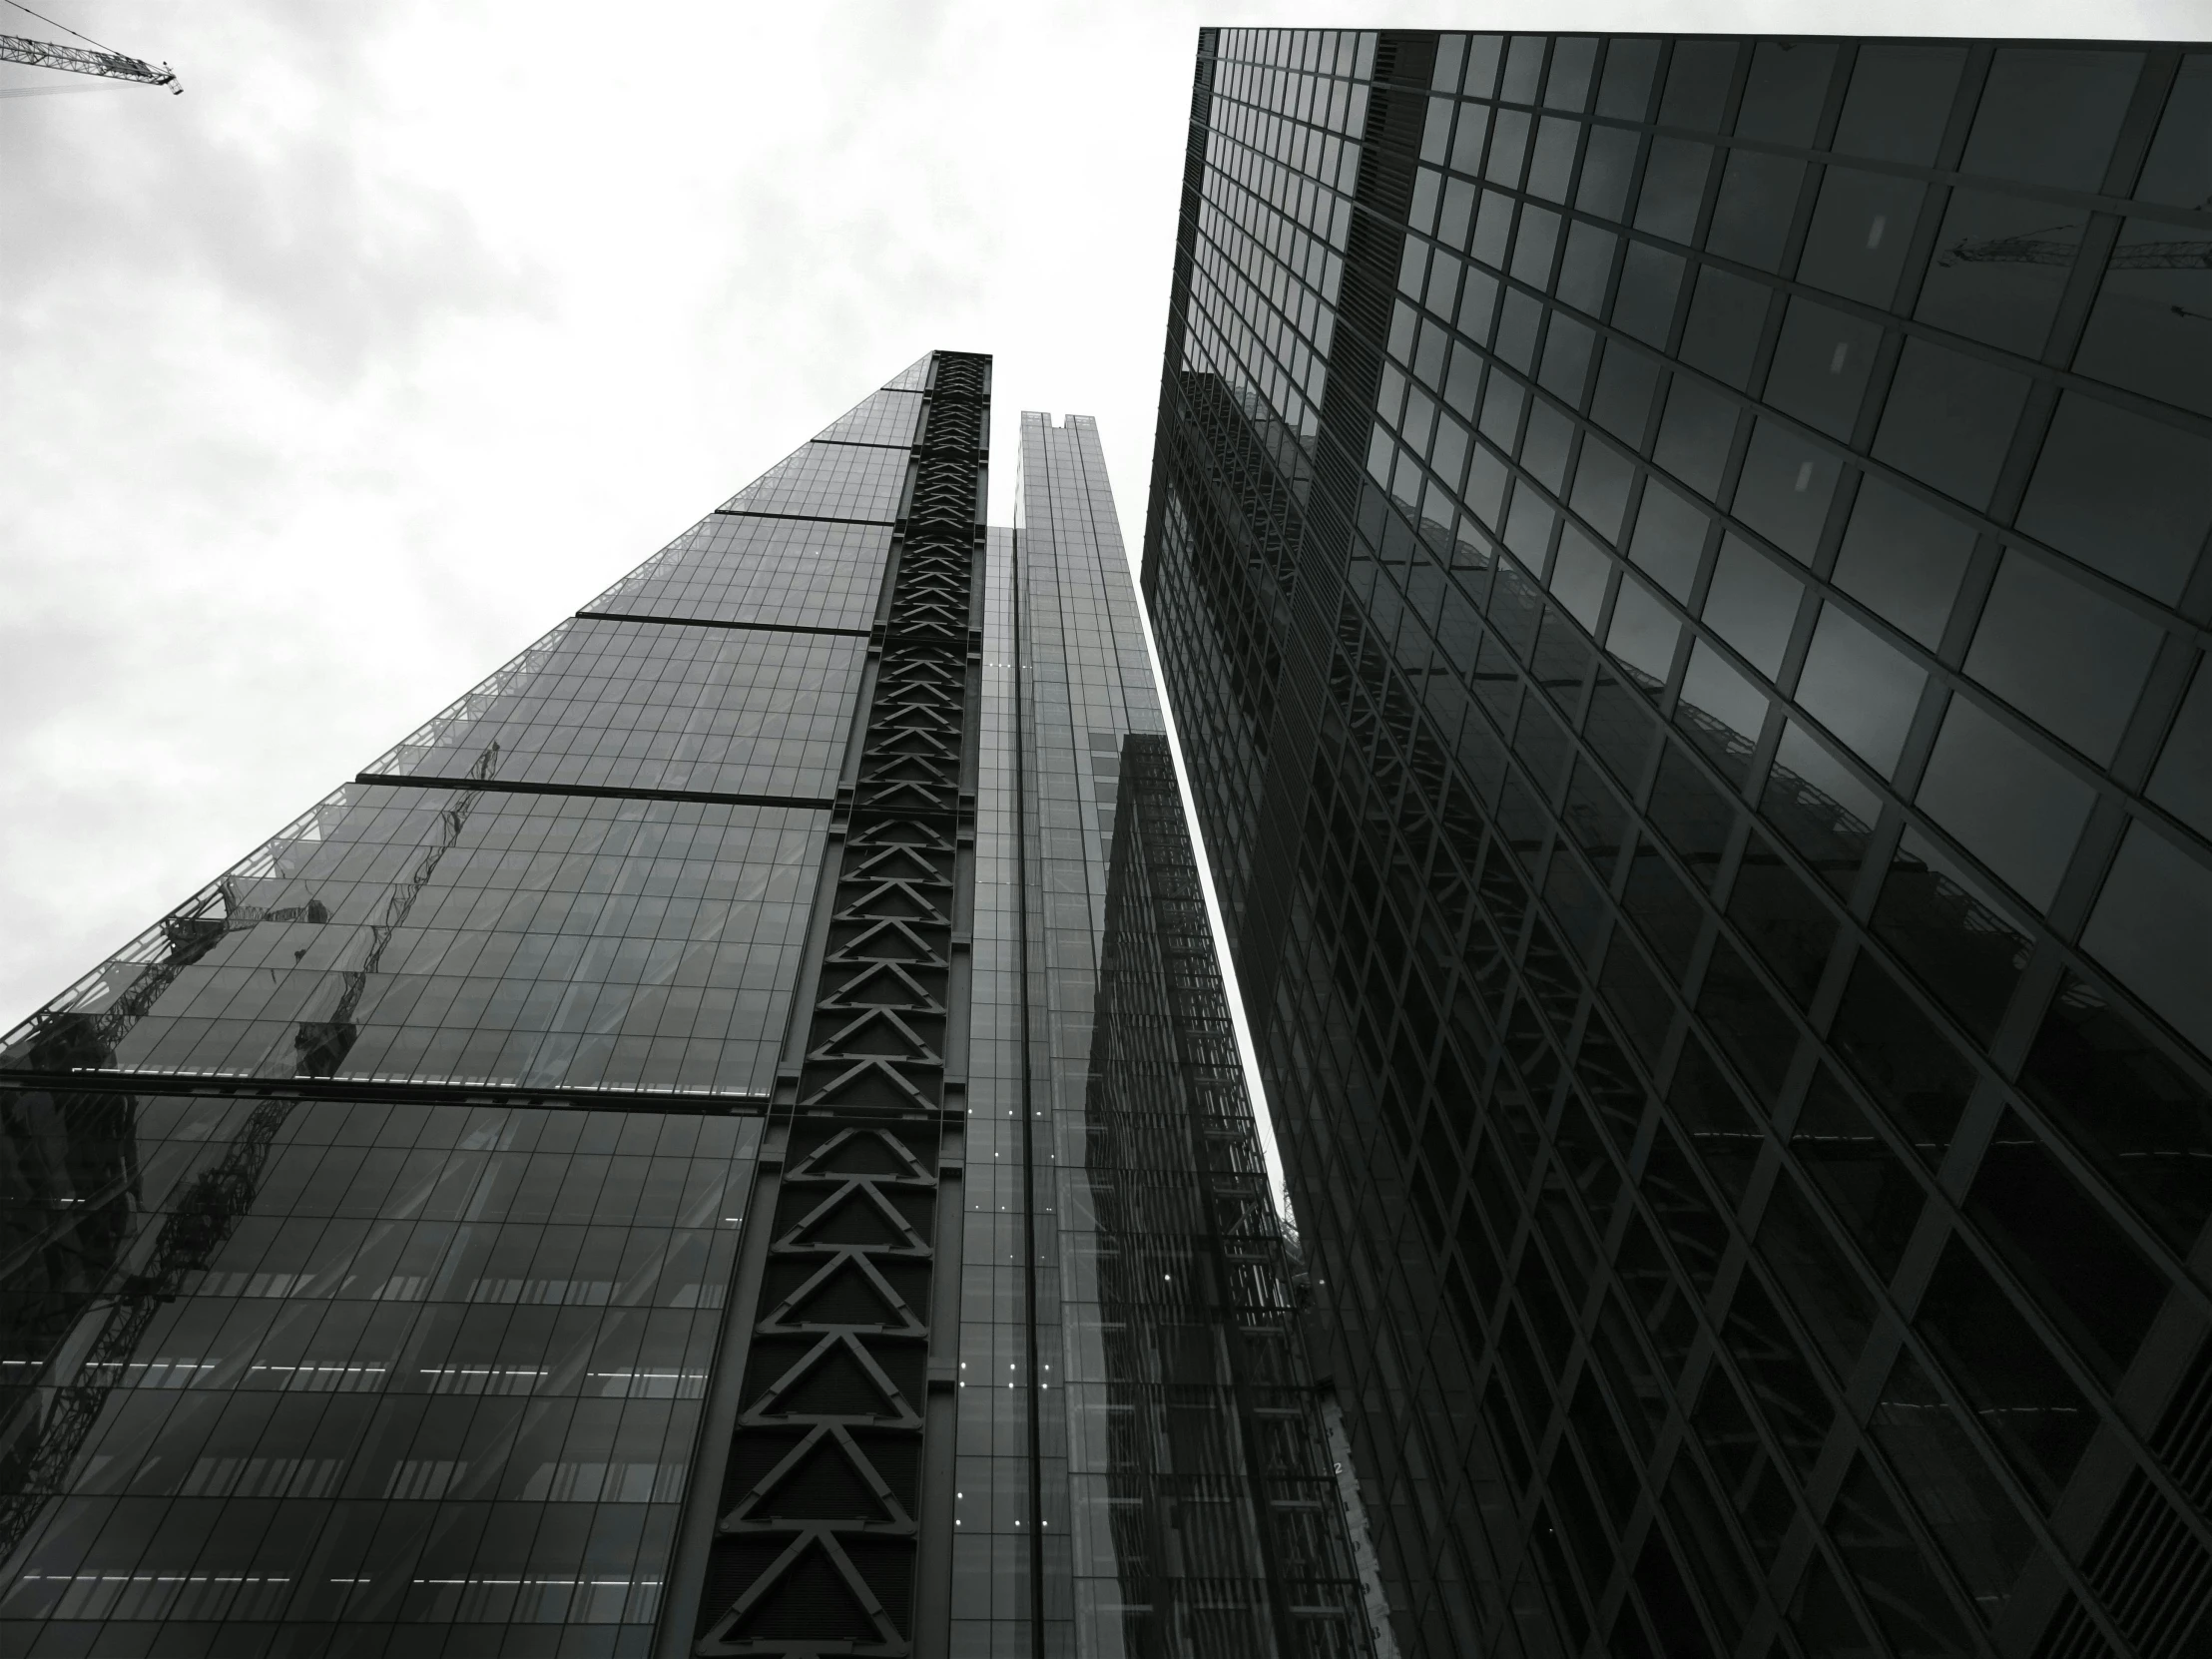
[(628, 1172), (1679, 564)]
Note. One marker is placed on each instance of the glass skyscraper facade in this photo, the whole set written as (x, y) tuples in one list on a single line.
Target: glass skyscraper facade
[(1680, 568), (629, 1173)]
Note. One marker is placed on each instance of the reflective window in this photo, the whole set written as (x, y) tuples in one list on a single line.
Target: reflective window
[(1694, 435), (1860, 230), (1643, 304), (1859, 688), (2183, 782), (1674, 185), (2048, 115), (1757, 199), (1822, 1287), (1899, 101), (2127, 495), (1752, 604), (2073, 659), (1902, 558), (1866, 1182), (1820, 364), (1949, 419), (1627, 87), (1903, 1591), (1785, 487), (2012, 806), (1727, 316), (2151, 329), (2179, 170), (1821, 807), (1792, 931), (1669, 538), (1697, 84), (1608, 168), (2000, 266), (2152, 926), (1902, 1059), (1788, 84)]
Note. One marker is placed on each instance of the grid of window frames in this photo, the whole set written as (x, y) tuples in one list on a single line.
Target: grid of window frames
[(1781, 605)]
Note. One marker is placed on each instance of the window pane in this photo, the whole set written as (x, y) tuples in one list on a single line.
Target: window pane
[(1752, 603), (1695, 434), (1903, 559), (1951, 933), (1860, 233), (1757, 201), (1866, 1182), (1859, 688), (2179, 170), (1821, 1286), (1821, 807), (1908, 1599), (1821, 365), (1785, 488), (1789, 81), (1902, 1059), (2055, 651), (1948, 421), (2000, 266), (2183, 782), (1727, 316), (2049, 116), (2014, 807), (2152, 926), (1899, 101), (2151, 331), (1792, 930), (2127, 495)]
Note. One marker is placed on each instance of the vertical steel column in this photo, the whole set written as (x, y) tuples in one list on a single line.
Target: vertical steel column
[(844, 1313)]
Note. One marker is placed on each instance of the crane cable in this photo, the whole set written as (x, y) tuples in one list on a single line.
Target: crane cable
[(65, 28)]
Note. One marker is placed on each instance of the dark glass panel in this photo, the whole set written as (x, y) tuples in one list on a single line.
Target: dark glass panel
[(1704, 1537), (2048, 115), (1660, 1297), (1902, 1059), (1785, 488), (1789, 81), (1820, 364), (1626, 381), (1568, 348), (2024, 1400), (1552, 165), (1518, 319), (2179, 170), (1948, 421), (1820, 807), (1695, 433), (1862, 688), (1509, 147), (1743, 1014), (1899, 101), (1667, 1599), (1752, 1488), (1674, 187), (1644, 634), (1625, 89), (1621, 729), (2011, 805), (2182, 782), (2145, 1123), (1493, 234), (1792, 930), (1697, 84), (1817, 1280), (1908, 1598), (1586, 267), (1638, 1000), (1643, 305), (1663, 909), (1951, 933), (2151, 330), (1567, 86), (2127, 495), (1859, 233), (2086, 1273), (1602, 481), (1640, 1393), (1608, 1458), (1722, 1130), (1903, 559), (1755, 206), (1824, 1619), (1609, 169), (1837, 1145), (1669, 538), (1534, 244), (1752, 604), (1960, 1500), (2000, 266), (1684, 1211), (2057, 651), (1722, 711), (1524, 66), (1544, 450), (1727, 315), (2152, 926), (1694, 815), (1783, 1383)]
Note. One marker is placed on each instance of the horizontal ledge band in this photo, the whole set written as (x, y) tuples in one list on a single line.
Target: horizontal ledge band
[(427, 1091), (709, 622), (805, 518), (601, 791)]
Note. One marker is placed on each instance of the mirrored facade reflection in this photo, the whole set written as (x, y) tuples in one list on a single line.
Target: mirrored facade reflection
[(1679, 563), (629, 1171)]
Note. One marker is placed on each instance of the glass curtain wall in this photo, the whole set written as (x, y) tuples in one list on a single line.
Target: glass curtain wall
[(1680, 565)]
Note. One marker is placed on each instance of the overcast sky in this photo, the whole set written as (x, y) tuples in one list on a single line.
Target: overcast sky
[(327, 385)]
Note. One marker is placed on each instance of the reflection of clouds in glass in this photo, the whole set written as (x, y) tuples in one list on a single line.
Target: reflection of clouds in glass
[(2055, 651), (2154, 927), (1578, 576), (1903, 559), (2123, 493), (2011, 805), (1861, 687), (1670, 533), (1714, 687)]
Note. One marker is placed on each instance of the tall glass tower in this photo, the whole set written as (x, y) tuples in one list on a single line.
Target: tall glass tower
[(1680, 565), (629, 1172)]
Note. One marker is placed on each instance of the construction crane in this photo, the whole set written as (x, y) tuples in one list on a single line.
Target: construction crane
[(101, 60), (208, 1211)]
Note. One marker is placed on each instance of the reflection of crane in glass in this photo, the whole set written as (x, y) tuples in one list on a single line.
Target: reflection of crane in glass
[(208, 1209), (2041, 248)]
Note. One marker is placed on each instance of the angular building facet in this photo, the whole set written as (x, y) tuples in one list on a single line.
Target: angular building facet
[(1680, 568), (623, 1175)]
